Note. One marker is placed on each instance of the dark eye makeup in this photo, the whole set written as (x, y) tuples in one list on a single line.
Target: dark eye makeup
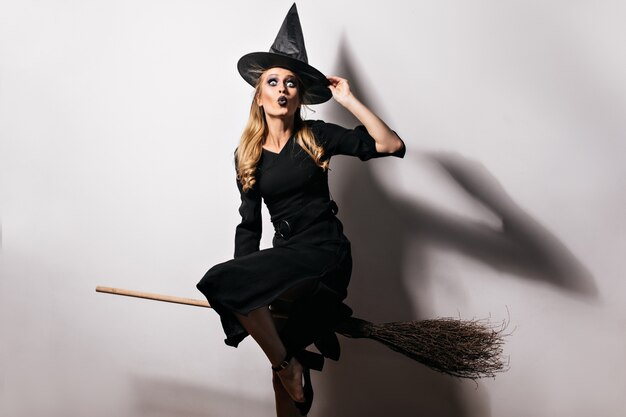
[(290, 82)]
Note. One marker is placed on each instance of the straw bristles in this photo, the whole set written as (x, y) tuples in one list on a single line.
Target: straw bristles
[(462, 348)]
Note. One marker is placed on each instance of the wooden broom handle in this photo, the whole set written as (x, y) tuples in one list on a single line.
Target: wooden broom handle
[(151, 296)]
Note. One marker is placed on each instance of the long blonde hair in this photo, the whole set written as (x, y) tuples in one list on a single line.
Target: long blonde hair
[(251, 144)]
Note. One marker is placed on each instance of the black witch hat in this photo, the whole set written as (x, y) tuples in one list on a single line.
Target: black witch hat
[(288, 52)]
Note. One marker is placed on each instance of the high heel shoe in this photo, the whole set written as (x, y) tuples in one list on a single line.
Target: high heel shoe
[(305, 406), (284, 364), (308, 360)]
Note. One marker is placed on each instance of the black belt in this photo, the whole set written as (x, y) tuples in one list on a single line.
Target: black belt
[(308, 215)]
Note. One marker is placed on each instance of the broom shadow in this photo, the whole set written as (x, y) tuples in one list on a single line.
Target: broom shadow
[(370, 380)]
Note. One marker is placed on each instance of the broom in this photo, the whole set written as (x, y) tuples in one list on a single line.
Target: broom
[(462, 348)]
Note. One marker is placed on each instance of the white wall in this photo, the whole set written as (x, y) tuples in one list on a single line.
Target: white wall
[(117, 124)]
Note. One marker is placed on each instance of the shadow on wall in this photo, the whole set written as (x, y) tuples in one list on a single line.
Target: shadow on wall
[(370, 380), (156, 397)]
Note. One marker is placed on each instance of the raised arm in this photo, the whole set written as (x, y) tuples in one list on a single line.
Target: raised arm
[(386, 139)]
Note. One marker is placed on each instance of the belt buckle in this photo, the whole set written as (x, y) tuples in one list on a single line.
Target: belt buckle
[(284, 229)]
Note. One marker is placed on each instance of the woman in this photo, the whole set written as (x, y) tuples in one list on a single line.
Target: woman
[(284, 161)]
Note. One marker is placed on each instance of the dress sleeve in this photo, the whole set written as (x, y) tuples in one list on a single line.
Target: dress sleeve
[(248, 232), (337, 140)]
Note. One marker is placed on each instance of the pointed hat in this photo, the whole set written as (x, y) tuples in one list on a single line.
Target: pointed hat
[(288, 52)]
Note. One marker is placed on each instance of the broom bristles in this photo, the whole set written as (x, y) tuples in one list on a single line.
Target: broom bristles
[(462, 348)]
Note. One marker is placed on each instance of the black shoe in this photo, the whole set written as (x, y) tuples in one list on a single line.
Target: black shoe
[(307, 388), (305, 406), (308, 360)]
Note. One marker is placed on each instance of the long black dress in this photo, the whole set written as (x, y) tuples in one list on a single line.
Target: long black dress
[(309, 245)]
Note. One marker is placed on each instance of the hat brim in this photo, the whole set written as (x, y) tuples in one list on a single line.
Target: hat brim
[(316, 89)]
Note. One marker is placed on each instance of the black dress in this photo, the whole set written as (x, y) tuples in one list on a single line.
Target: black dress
[(309, 246)]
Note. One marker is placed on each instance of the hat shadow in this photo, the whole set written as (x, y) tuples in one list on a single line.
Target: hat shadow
[(389, 232)]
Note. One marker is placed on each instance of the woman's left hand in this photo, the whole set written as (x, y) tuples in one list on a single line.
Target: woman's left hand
[(386, 139), (340, 89)]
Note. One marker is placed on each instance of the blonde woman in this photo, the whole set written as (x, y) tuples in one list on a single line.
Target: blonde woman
[(290, 296)]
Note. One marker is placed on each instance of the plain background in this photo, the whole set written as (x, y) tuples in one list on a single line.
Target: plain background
[(118, 120)]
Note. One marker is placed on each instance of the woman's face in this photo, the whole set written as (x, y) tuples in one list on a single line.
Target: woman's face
[(279, 93)]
